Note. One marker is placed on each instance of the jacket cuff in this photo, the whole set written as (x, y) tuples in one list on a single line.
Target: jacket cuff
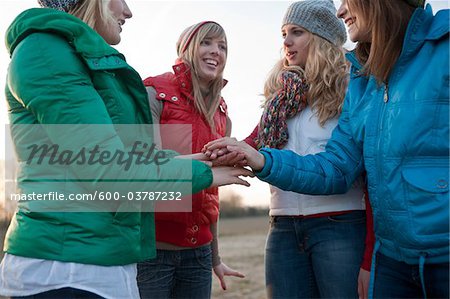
[(203, 176), (266, 152)]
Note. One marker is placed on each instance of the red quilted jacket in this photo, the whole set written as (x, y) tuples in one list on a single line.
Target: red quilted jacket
[(187, 229)]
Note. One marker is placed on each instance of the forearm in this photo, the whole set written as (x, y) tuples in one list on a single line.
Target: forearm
[(215, 245), (312, 174)]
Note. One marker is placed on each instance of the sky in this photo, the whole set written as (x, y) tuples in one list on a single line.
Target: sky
[(253, 31)]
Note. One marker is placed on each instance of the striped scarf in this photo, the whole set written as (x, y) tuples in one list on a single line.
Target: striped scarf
[(286, 103)]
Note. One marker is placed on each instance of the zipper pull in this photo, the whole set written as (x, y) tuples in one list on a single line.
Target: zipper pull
[(386, 96)]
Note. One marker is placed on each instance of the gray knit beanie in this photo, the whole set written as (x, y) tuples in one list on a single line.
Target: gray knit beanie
[(318, 17), (63, 5)]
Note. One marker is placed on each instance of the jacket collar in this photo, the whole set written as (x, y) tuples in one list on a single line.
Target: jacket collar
[(83, 38), (424, 26)]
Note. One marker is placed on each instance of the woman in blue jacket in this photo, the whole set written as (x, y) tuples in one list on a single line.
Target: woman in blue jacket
[(394, 125)]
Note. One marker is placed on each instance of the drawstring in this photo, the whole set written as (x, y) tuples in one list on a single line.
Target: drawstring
[(422, 280), (372, 268)]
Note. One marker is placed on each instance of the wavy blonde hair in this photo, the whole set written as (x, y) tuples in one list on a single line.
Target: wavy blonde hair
[(206, 104), (93, 12), (326, 72)]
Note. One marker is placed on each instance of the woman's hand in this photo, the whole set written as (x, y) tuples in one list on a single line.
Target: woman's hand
[(223, 270), (229, 151), (363, 283), (218, 147), (226, 175)]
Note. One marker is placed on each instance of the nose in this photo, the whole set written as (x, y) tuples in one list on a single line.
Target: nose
[(287, 41), (342, 10), (214, 49), (126, 10)]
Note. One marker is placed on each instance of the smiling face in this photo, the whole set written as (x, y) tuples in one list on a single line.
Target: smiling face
[(210, 59), (358, 29), (110, 30), (295, 44)]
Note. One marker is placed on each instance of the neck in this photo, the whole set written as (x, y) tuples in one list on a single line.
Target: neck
[(204, 87)]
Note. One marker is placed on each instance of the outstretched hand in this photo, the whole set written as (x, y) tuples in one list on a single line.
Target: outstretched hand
[(218, 147), (223, 270), (229, 151), (227, 175)]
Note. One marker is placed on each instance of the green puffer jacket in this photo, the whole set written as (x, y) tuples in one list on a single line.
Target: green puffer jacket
[(63, 72)]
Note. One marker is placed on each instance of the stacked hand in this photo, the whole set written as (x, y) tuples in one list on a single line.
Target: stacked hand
[(223, 174), (228, 151)]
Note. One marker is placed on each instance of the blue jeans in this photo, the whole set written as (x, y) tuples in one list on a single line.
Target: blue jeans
[(315, 257), (394, 279), (66, 293), (177, 274)]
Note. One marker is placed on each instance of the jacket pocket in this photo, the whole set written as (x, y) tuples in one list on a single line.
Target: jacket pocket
[(426, 194)]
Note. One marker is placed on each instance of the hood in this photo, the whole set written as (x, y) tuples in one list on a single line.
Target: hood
[(423, 27), (83, 38)]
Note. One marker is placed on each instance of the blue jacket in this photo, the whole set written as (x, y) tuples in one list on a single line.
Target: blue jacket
[(398, 133)]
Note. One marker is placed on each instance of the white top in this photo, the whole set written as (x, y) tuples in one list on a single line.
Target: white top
[(22, 276), (306, 136)]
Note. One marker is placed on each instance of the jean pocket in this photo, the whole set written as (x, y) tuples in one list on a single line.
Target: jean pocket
[(203, 256), (147, 270), (350, 217)]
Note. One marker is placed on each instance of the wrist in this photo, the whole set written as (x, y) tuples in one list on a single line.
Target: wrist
[(259, 162)]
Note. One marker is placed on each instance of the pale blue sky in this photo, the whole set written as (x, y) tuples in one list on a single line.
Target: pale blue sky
[(148, 42)]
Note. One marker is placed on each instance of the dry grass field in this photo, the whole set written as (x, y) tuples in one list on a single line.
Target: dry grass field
[(242, 243)]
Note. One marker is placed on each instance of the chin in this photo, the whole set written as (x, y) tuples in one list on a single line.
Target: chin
[(113, 40)]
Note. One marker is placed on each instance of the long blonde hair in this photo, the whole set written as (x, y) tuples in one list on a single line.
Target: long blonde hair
[(187, 45), (93, 12), (326, 72)]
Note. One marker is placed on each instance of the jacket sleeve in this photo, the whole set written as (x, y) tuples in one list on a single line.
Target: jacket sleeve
[(250, 140), (370, 235), (330, 172), (51, 81), (156, 108)]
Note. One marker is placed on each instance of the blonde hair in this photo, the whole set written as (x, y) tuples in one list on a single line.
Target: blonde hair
[(206, 104), (326, 72), (93, 12)]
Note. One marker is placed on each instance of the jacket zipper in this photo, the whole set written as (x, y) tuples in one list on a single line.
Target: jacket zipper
[(386, 95), (380, 137)]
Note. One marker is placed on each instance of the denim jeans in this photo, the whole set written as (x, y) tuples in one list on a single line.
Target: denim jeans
[(66, 293), (177, 274), (394, 279), (315, 257)]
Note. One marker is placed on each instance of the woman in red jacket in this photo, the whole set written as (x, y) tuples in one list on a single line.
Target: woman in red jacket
[(188, 105)]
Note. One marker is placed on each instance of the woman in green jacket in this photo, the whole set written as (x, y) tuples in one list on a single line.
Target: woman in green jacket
[(63, 78)]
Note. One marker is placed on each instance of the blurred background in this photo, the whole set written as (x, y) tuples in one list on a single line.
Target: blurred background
[(253, 31)]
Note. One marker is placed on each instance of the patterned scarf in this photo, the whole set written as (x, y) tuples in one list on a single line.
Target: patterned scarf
[(287, 102)]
